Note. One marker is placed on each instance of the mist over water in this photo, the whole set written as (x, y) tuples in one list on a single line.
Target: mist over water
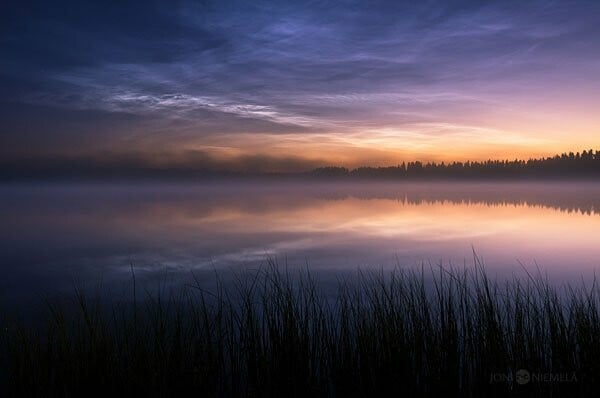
[(56, 236)]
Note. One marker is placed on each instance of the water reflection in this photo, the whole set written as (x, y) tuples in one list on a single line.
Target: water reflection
[(52, 232)]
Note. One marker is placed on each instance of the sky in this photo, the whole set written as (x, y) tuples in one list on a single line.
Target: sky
[(293, 85)]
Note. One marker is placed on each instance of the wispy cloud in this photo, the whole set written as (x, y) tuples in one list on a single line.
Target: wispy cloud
[(390, 75)]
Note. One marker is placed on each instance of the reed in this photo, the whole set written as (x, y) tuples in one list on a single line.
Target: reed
[(274, 332)]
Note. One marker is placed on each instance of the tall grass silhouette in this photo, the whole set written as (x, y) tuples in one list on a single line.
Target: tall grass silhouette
[(275, 332)]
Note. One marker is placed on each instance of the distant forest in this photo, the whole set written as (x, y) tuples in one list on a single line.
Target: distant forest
[(580, 165), (584, 164)]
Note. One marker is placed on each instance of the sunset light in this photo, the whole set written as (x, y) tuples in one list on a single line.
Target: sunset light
[(300, 198)]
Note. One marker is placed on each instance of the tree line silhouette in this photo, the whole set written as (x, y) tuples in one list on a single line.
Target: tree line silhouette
[(584, 164)]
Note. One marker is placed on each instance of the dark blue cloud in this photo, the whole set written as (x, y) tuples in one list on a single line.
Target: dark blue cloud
[(276, 66)]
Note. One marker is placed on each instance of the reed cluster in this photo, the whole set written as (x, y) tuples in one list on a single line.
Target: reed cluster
[(275, 332)]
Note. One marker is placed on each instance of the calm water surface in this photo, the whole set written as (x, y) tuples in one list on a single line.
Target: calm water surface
[(55, 236)]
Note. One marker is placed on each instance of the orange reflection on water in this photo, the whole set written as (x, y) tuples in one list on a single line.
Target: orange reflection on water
[(330, 225)]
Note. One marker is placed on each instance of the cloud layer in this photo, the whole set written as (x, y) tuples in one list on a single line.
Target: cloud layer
[(318, 81)]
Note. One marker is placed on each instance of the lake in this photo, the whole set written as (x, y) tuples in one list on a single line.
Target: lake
[(54, 237)]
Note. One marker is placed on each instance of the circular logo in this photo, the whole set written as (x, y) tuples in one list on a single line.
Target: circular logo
[(523, 376)]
